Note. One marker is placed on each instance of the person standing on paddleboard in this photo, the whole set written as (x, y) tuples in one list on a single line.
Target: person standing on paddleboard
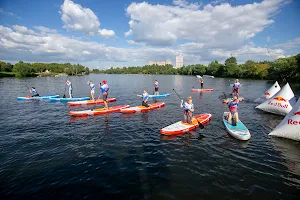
[(34, 92), (70, 87), (145, 97), (92, 88), (233, 105), (236, 86), (156, 88), (201, 83), (104, 90), (188, 108)]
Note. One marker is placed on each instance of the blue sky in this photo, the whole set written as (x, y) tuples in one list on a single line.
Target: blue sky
[(101, 34)]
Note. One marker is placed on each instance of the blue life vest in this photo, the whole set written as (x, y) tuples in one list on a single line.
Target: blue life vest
[(104, 88)]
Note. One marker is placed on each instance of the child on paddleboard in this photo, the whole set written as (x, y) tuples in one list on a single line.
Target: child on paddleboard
[(201, 83), (188, 108), (236, 86), (92, 88), (233, 105), (34, 92), (145, 97), (70, 87), (156, 88), (104, 90)]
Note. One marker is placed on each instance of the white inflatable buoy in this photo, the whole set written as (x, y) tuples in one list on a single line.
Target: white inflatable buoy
[(198, 76), (269, 93), (281, 103), (290, 126)]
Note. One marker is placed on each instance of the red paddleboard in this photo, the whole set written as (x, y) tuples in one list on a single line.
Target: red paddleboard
[(230, 99), (99, 111), (89, 102), (203, 90), (180, 127), (143, 108)]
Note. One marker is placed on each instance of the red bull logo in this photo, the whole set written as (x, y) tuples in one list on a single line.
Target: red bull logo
[(267, 94), (279, 102), (294, 122), (280, 98), (297, 113)]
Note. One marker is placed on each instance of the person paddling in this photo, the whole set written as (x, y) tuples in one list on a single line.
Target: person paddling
[(188, 108), (156, 88), (233, 105), (92, 88), (145, 97), (68, 82), (201, 83), (236, 86), (34, 92), (104, 90)]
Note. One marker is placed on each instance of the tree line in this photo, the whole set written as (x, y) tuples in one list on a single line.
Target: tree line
[(23, 69), (280, 69)]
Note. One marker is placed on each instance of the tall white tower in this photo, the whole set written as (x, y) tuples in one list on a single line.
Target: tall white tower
[(179, 61)]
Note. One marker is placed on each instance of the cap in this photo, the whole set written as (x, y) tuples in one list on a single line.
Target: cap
[(104, 81)]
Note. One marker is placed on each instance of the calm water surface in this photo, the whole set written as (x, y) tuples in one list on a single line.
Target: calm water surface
[(47, 154)]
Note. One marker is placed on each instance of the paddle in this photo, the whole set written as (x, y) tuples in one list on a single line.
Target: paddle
[(200, 125), (195, 84), (65, 92)]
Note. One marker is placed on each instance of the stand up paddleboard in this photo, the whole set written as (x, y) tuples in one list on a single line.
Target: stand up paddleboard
[(142, 108), (239, 131), (69, 99), (159, 96), (202, 90), (230, 99), (181, 127), (38, 97), (99, 111), (90, 102)]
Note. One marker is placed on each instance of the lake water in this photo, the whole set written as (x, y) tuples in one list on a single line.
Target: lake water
[(47, 154)]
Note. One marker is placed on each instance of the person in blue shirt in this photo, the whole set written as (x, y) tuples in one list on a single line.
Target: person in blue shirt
[(104, 90), (34, 92), (233, 112), (156, 88), (70, 87), (145, 97), (92, 88), (188, 109), (236, 87)]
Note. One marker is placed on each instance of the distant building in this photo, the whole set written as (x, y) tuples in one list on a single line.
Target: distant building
[(179, 61), (167, 62)]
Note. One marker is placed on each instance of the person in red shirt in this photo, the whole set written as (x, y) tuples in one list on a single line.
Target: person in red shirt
[(201, 83)]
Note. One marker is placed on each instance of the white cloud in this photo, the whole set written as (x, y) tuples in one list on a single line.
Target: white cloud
[(77, 18), (291, 44), (213, 25), (128, 33), (186, 4), (268, 39), (45, 29), (21, 43), (8, 13)]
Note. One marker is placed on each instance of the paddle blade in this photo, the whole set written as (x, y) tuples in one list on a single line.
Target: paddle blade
[(200, 125), (64, 96)]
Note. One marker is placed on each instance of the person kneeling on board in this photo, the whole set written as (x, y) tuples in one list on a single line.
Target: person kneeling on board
[(188, 108), (145, 97), (233, 105), (34, 92), (104, 90)]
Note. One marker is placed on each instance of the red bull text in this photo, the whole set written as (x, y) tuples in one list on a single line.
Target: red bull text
[(281, 102), (294, 122)]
